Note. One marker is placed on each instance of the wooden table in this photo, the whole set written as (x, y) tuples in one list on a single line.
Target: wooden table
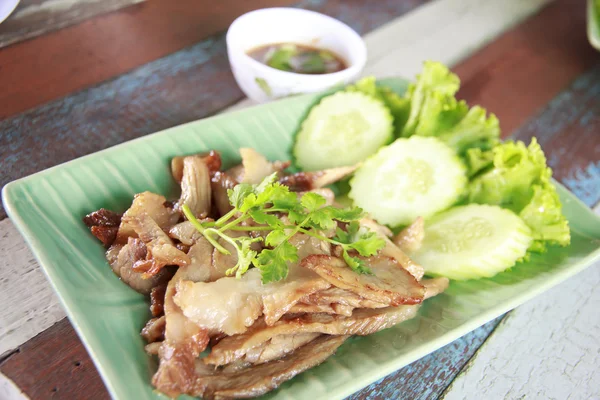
[(162, 63)]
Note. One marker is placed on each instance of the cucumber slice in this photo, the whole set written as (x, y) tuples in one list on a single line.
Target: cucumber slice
[(473, 241), (410, 178), (342, 129)]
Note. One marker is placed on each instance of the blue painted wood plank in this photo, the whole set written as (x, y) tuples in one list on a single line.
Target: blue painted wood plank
[(428, 377), (568, 130)]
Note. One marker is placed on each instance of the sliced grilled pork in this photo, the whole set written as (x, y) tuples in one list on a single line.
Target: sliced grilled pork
[(260, 379), (391, 250), (195, 186), (305, 181), (391, 284), (410, 238), (362, 322), (155, 206)]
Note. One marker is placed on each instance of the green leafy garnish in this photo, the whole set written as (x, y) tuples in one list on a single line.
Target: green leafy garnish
[(434, 111), (313, 63), (516, 177), (262, 83), (261, 205), (281, 58)]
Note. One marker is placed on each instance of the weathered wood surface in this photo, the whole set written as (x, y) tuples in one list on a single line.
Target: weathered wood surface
[(569, 127), (547, 348), (59, 369), (76, 57), (398, 383), (35, 17)]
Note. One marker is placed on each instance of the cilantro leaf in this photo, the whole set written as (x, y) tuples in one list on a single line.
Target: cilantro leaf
[(296, 216), (285, 199), (266, 183), (368, 244), (273, 264), (321, 219), (250, 201), (238, 194), (262, 217), (347, 214), (312, 201), (356, 264), (274, 193), (275, 237), (306, 215), (342, 236)]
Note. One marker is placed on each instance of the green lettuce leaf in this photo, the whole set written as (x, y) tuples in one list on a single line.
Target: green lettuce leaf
[(434, 111), (435, 78), (516, 177)]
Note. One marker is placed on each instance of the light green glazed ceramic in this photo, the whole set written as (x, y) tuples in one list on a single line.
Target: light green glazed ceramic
[(47, 209)]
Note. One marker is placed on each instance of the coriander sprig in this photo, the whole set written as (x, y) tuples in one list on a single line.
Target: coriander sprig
[(263, 204)]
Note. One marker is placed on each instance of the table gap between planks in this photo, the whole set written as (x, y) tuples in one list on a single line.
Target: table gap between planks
[(535, 61)]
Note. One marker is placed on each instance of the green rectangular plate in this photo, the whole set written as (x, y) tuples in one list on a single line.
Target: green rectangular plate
[(47, 209)]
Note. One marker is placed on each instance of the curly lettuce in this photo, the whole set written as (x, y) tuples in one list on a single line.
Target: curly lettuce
[(515, 176), (434, 111)]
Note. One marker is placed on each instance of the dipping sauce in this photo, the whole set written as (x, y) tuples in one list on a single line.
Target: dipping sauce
[(298, 58)]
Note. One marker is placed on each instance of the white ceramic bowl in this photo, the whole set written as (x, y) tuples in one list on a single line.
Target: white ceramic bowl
[(7, 7), (290, 25)]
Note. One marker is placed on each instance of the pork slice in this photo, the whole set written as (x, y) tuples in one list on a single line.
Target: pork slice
[(155, 206), (260, 379), (123, 258), (212, 159), (281, 296), (391, 284), (303, 308), (220, 183), (277, 347), (339, 296), (104, 224), (392, 250), (160, 248), (305, 181), (255, 167), (362, 322), (409, 239), (228, 305), (184, 341), (154, 331), (195, 186), (185, 232)]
